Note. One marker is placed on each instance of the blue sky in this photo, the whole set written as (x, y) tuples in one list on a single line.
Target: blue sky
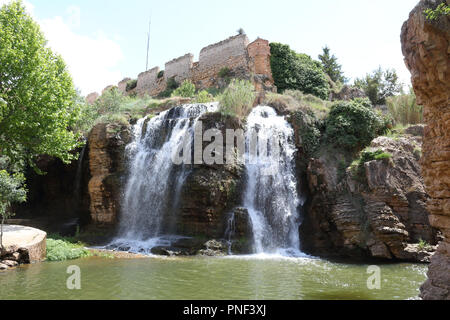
[(104, 41)]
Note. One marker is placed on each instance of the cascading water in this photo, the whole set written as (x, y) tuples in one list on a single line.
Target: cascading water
[(154, 181), (271, 195)]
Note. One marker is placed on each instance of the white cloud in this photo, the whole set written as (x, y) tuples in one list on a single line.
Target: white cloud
[(92, 59)]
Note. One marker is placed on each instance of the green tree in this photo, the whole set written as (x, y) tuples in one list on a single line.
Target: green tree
[(331, 66), (297, 71), (37, 92), (12, 190), (379, 85)]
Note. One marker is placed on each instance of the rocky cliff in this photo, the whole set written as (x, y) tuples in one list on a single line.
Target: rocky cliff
[(106, 144), (426, 47), (372, 210)]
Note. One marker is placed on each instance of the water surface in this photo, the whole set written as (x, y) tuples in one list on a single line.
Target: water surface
[(260, 278)]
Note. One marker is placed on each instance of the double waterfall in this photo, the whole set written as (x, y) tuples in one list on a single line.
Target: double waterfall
[(154, 182)]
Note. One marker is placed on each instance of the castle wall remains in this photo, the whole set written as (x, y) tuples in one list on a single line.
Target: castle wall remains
[(179, 68), (243, 60)]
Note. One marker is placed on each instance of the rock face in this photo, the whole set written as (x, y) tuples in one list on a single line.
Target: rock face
[(22, 245), (106, 162), (426, 47), (57, 201), (377, 213), (210, 191)]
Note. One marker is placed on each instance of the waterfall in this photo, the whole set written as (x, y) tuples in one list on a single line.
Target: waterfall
[(154, 181), (78, 175), (271, 196)]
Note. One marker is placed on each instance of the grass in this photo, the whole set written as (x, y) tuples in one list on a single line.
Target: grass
[(60, 249), (237, 99), (423, 245), (404, 109), (357, 167), (71, 248), (296, 100)]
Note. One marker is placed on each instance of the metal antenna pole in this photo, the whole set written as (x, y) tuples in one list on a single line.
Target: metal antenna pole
[(148, 42)]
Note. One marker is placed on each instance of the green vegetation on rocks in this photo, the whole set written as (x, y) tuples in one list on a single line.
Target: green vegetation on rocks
[(238, 98), (352, 125), (186, 90)]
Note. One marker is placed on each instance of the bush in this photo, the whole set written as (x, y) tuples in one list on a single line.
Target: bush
[(171, 86), (60, 250), (297, 71), (225, 73), (131, 85), (112, 106), (160, 74), (203, 97), (352, 125), (238, 98), (186, 90), (404, 109)]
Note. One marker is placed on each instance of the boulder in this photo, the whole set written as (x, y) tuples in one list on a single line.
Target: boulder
[(25, 244)]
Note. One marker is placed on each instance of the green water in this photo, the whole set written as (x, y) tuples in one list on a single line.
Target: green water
[(210, 278)]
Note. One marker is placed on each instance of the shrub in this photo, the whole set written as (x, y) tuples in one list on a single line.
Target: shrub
[(238, 98), (352, 125), (203, 97), (160, 74), (171, 86), (60, 250), (297, 71), (404, 109), (186, 90), (131, 85), (225, 73)]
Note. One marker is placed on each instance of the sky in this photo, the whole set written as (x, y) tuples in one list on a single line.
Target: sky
[(104, 41)]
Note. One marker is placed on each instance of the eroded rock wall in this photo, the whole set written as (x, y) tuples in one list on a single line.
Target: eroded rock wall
[(107, 169), (377, 213), (426, 47)]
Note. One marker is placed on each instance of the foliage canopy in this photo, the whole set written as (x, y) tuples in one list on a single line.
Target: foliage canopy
[(36, 90), (296, 71)]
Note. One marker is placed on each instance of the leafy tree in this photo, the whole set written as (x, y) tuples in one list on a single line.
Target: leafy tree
[(186, 90), (12, 190), (380, 85), (331, 66), (37, 92), (352, 125), (297, 71)]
